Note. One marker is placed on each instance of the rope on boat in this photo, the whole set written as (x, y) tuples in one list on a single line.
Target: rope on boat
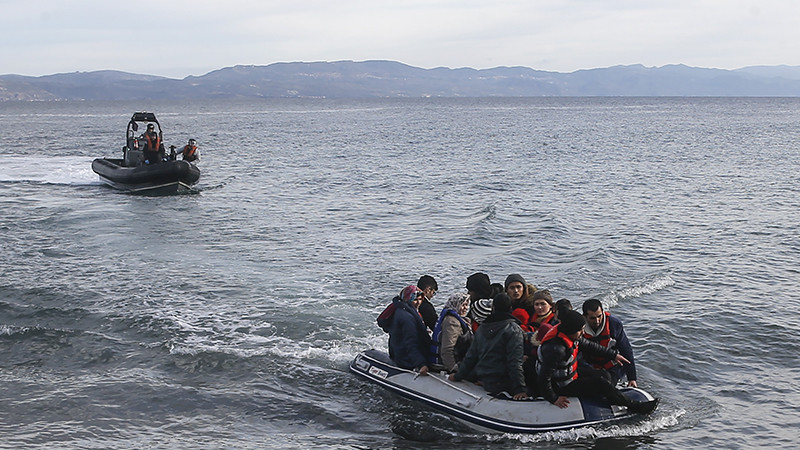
[(477, 398)]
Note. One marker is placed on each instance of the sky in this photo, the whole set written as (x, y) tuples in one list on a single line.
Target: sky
[(178, 38)]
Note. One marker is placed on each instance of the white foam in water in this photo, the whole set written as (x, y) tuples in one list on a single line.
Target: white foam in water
[(647, 287), (69, 170), (646, 427)]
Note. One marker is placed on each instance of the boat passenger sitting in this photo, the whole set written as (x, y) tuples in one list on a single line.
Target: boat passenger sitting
[(607, 330), (429, 286), (409, 342), (452, 334), (495, 356)]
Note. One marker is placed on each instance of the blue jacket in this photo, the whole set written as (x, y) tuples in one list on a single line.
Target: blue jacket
[(409, 343)]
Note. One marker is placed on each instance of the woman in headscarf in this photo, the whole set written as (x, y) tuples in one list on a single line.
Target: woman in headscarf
[(452, 334), (409, 343)]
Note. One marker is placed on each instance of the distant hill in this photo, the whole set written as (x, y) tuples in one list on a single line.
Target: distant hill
[(382, 79)]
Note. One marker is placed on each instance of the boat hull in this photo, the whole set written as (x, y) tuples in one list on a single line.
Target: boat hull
[(472, 405), (164, 178)]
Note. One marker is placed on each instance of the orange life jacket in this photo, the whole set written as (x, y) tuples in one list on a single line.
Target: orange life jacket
[(152, 145), (189, 151)]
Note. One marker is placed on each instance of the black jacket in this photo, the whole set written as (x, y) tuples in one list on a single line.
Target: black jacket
[(495, 356), (553, 353), (428, 313)]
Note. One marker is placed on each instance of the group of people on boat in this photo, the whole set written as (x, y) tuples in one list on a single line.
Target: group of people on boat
[(514, 340), (153, 151)]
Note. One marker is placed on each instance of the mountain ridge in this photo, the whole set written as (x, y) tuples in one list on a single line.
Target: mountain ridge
[(392, 79)]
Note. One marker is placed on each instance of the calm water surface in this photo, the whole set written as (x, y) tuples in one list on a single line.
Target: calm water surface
[(227, 318)]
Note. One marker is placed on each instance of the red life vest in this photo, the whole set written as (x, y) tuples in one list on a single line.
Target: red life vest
[(567, 369), (152, 145), (604, 339), (188, 151)]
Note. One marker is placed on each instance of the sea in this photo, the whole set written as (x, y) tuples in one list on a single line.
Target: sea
[(227, 317)]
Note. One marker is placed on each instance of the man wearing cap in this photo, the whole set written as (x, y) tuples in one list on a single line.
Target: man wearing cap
[(495, 356), (557, 367)]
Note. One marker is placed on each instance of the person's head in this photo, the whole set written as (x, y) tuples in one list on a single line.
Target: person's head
[(150, 127), (571, 324), (458, 303), (501, 303), (542, 302), (481, 309), (479, 286), (593, 312), (515, 287), (428, 285), (562, 306), (494, 289), (411, 295), (192, 142)]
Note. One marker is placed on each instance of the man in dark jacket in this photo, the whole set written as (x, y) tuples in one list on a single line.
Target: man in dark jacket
[(429, 286), (607, 330), (557, 367), (409, 342), (495, 356)]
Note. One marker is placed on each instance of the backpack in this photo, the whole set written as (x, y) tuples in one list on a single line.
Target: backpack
[(385, 318)]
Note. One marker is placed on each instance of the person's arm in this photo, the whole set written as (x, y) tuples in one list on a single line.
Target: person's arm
[(593, 348)]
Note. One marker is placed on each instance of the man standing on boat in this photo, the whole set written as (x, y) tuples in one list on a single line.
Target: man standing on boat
[(495, 356), (152, 143), (557, 367)]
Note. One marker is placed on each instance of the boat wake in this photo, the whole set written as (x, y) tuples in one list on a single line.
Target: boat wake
[(62, 170), (643, 427)]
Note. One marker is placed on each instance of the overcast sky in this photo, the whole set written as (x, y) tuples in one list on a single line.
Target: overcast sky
[(177, 38)]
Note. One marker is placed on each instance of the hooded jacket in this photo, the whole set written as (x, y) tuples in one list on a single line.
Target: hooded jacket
[(495, 356)]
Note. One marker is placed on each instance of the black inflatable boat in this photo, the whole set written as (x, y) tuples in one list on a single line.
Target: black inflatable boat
[(164, 178), (144, 166)]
